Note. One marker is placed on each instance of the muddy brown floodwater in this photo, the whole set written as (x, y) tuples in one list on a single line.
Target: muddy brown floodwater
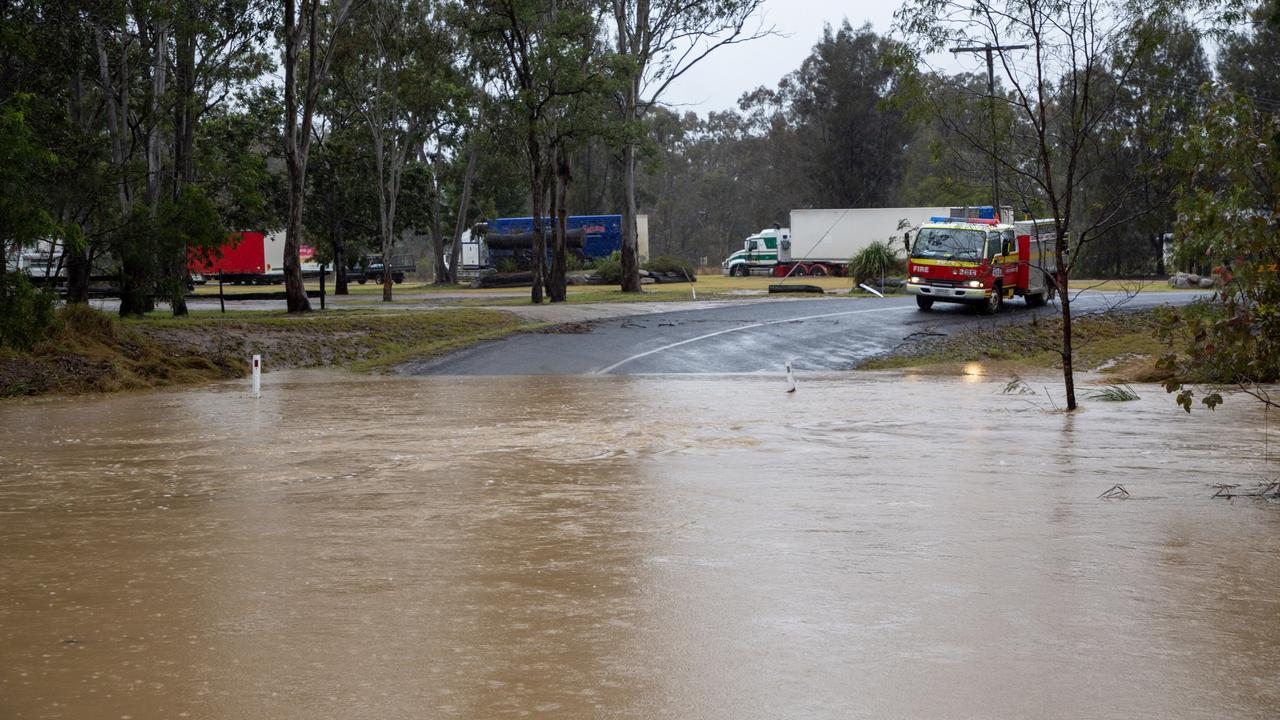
[(873, 546)]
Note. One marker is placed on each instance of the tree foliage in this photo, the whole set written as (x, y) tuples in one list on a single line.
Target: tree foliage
[(1229, 215)]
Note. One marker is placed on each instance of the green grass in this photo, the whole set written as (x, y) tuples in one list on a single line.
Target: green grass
[(92, 351), (1113, 393), (1126, 343)]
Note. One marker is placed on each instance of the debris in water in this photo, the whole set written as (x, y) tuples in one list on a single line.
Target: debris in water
[(1263, 489), (1117, 492)]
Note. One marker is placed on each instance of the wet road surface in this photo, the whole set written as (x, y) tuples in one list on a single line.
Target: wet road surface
[(819, 334), (632, 547)]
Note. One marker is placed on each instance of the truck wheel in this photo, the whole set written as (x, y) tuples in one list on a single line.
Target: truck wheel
[(819, 271), (800, 271), (397, 278), (992, 305), (925, 304), (741, 270), (362, 280), (1035, 300)]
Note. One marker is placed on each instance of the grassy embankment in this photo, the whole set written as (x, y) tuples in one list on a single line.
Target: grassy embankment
[(90, 351), (1121, 346)]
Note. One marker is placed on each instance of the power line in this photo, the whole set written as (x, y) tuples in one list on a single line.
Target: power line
[(989, 50)]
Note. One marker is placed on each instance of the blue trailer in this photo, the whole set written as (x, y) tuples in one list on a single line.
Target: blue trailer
[(602, 234), (594, 237)]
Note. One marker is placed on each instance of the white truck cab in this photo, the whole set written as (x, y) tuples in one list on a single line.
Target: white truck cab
[(762, 250)]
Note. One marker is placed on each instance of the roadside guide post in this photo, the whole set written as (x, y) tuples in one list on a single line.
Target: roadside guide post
[(322, 271), (222, 303), (257, 376)]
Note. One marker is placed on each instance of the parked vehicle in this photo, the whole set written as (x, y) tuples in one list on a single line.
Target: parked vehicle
[(42, 262), (509, 241), (372, 268), (982, 262), (821, 242), (252, 258)]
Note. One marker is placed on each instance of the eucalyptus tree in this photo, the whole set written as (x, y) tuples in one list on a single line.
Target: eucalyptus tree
[(1157, 108), (659, 41), (310, 29), (1063, 87), (342, 180), (217, 50), (399, 74), (131, 43), (542, 52), (838, 122)]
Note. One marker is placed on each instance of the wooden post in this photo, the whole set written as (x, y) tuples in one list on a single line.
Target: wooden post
[(221, 301), (322, 271)]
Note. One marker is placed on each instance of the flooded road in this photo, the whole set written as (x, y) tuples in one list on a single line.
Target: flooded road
[(632, 547)]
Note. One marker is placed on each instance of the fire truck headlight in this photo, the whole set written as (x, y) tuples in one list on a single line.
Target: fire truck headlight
[(975, 283), (915, 280)]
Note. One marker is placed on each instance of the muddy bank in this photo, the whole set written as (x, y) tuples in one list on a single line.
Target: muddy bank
[(1122, 346), (90, 351)]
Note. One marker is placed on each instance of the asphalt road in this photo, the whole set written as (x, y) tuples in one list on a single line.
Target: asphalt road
[(814, 335)]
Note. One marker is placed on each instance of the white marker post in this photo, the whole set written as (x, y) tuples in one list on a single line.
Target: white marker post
[(257, 376), (870, 289), (791, 379)]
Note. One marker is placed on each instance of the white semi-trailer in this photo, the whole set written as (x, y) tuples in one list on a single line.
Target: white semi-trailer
[(821, 242)]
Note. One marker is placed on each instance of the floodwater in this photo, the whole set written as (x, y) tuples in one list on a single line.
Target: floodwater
[(873, 546)]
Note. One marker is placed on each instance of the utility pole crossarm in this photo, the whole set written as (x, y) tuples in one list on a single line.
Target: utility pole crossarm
[(990, 48), (989, 51)]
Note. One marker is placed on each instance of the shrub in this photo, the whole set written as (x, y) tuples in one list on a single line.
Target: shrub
[(873, 261), (610, 269), (26, 311), (669, 265)]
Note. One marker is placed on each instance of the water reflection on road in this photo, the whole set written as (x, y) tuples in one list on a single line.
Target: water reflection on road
[(691, 547)]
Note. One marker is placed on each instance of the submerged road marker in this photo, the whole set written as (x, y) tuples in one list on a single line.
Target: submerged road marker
[(791, 379), (257, 376)]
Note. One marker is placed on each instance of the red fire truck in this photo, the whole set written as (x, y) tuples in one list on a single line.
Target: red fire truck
[(982, 262)]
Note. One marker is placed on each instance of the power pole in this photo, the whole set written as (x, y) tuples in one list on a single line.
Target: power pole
[(991, 95)]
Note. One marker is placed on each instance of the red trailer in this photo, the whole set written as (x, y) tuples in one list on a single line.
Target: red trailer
[(251, 257)]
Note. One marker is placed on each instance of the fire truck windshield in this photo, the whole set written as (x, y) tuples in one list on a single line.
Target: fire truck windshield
[(948, 244)]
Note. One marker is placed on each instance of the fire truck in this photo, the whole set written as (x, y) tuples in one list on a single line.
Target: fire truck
[(982, 262)]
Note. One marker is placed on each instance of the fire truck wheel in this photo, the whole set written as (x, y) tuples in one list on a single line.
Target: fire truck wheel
[(992, 304), (923, 303), (1034, 300)]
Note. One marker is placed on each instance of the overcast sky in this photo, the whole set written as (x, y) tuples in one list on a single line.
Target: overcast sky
[(718, 81)]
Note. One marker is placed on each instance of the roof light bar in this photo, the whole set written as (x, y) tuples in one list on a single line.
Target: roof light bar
[(971, 221)]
